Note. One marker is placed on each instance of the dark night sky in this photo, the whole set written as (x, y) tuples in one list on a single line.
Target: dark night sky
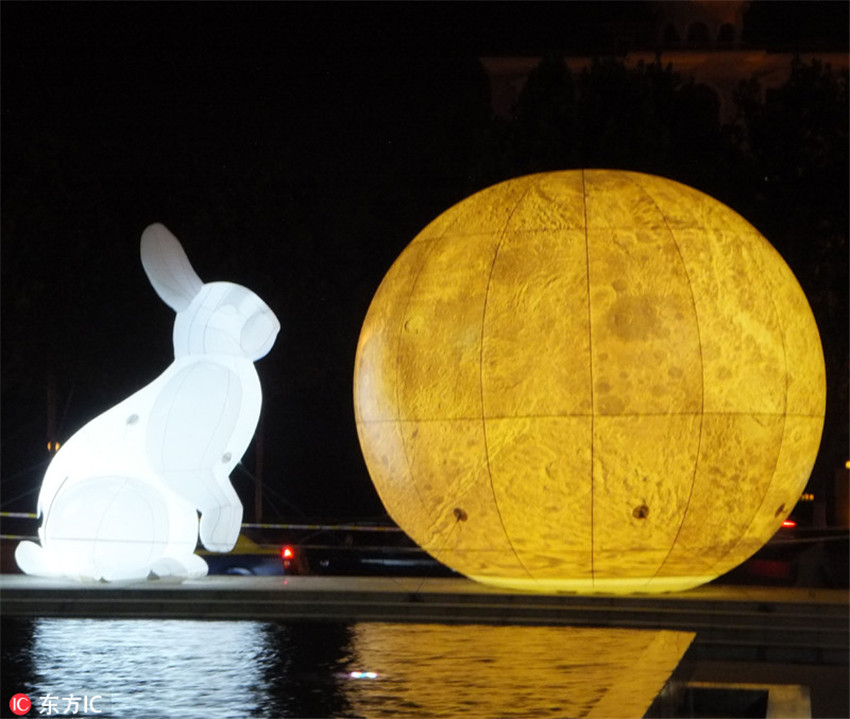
[(295, 148)]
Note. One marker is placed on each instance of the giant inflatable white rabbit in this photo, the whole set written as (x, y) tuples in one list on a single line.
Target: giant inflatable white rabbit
[(120, 500)]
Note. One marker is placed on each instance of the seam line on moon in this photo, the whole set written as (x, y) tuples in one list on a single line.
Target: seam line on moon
[(701, 414), (590, 368), (434, 242), (784, 416), (584, 415), (397, 418), (532, 184)]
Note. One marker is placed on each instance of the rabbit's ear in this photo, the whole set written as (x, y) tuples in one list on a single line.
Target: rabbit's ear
[(168, 268)]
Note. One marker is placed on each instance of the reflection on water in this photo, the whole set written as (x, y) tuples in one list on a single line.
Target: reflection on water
[(175, 668), (146, 667), (509, 671)]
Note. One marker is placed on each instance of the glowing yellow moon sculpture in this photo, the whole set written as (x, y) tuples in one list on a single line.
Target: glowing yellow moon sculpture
[(591, 381)]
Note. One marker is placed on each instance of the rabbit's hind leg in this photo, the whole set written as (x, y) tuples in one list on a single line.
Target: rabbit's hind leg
[(114, 528), (189, 566)]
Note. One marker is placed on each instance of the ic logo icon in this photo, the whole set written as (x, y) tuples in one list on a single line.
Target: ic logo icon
[(20, 704)]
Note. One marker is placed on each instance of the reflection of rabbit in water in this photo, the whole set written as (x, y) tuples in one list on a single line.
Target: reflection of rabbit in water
[(120, 500)]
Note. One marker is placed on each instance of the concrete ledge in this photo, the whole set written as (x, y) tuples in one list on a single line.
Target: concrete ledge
[(748, 623)]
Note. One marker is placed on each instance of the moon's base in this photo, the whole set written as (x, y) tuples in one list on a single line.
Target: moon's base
[(630, 585)]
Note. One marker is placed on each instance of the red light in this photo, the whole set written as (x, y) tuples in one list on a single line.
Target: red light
[(789, 524), (287, 553)]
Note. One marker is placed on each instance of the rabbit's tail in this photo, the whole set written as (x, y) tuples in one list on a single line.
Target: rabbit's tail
[(31, 559)]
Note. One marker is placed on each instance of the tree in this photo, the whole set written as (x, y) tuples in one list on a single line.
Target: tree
[(646, 118)]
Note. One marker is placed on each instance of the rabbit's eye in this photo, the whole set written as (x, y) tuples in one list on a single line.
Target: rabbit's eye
[(258, 334)]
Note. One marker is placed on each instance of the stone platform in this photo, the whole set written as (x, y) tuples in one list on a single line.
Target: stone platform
[(740, 623)]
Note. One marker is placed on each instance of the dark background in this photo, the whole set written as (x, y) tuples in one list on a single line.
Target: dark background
[(296, 148)]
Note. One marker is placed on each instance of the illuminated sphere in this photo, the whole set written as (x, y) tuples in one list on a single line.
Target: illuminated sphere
[(590, 381)]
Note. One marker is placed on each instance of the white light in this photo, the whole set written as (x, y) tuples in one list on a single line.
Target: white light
[(120, 500), (363, 675)]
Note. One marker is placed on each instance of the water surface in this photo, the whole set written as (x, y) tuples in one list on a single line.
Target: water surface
[(222, 669)]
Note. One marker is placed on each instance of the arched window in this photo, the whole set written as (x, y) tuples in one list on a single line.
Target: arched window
[(726, 35)]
